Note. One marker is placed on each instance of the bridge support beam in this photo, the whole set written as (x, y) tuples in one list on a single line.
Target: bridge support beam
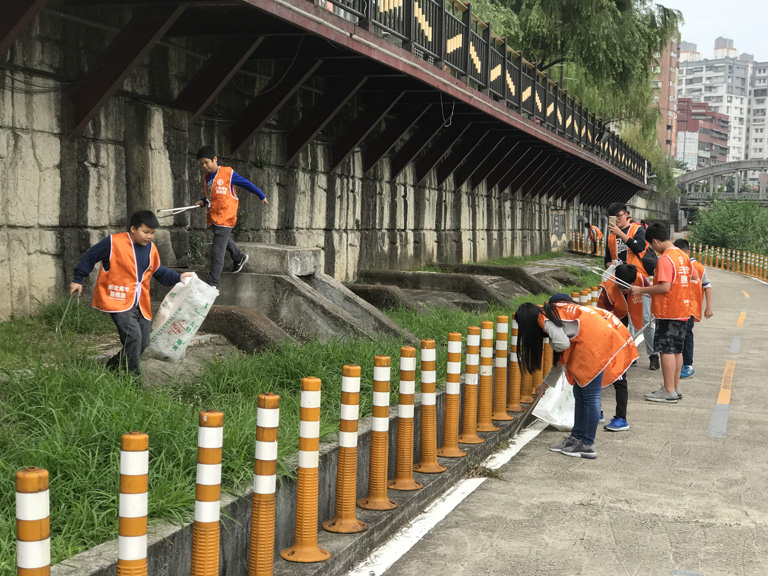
[(763, 176)]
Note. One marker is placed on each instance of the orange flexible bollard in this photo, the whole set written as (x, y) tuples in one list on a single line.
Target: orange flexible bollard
[(547, 358), (469, 415), (305, 548), (513, 374), (379, 457), (134, 485), (450, 447), (500, 371), (584, 296), (428, 463), (485, 401), (526, 387), (345, 521), (261, 552), (403, 479), (538, 376), (205, 531), (593, 296), (33, 523)]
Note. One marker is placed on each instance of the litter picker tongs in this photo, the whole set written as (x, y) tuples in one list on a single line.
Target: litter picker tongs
[(605, 273), (178, 210)]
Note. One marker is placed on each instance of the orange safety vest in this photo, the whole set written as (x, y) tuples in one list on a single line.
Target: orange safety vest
[(632, 258), (676, 304), (594, 233), (603, 344), (224, 201), (697, 295), (116, 288), (611, 298)]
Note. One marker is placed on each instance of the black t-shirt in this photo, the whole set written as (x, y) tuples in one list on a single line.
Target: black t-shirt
[(637, 245)]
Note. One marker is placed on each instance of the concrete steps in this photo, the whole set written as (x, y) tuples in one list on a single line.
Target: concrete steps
[(295, 299)]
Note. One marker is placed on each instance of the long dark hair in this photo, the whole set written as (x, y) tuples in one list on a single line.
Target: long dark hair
[(530, 339)]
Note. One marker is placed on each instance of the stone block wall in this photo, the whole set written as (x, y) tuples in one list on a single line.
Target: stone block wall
[(63, 194)]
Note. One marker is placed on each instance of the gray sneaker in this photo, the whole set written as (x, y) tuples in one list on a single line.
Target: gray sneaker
[(662, 395), (580, 450), (679, 393), (567, 441), (239, 265)]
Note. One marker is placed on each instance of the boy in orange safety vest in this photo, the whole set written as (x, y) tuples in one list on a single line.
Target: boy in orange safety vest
[(615, 298), (704, 293), (222, 202), (128, 261), (626, 244), (671, 305), (594, 234)]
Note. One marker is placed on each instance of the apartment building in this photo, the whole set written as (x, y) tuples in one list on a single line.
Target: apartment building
[(702, 136), (665, 80), (724, 84)]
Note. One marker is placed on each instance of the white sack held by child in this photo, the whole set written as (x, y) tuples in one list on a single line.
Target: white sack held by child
[(179, 318)]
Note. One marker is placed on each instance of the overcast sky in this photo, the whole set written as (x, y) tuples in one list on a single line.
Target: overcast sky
[(744, 21)]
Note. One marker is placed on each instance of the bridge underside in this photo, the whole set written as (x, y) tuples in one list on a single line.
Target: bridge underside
[(373, 91)]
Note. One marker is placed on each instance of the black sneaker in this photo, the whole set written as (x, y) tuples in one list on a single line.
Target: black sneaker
[(239, 265), (655, 364)]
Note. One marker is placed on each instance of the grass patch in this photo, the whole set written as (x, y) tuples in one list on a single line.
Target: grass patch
[(51, 337), (66, 413)]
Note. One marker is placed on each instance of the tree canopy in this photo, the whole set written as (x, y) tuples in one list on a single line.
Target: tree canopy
[(607, 47)]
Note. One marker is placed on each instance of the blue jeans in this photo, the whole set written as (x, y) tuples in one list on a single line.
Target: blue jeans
[(587, 413)]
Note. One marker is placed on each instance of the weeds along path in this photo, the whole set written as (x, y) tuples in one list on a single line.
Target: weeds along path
[(62, 411)]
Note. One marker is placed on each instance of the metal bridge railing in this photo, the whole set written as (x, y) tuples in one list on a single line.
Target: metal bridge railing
[(447, 34)]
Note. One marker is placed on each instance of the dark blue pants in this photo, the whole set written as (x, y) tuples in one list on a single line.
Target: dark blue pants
[(688, 346), (586, 415)]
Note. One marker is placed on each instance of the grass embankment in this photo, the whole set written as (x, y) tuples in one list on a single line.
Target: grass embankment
[(60, 410)]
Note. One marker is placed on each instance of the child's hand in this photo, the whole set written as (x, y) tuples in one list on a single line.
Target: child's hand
[(708, 313), (264, 201), (187, 275), (75, 287)]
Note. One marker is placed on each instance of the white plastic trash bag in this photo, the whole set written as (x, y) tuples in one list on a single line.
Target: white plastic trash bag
[(557, 405), (178, 319)]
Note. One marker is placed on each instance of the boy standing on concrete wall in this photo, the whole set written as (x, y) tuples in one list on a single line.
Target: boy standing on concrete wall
[(222, 202)]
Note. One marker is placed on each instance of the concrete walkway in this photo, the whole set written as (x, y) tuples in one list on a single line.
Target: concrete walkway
[(666, 497)]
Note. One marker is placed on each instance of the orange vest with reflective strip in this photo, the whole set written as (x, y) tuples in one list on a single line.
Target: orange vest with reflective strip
[(632, 258), (115, 289), (612, 299), (224, 201), (599, 346), (594, 233), (697, 290), (676, 304)]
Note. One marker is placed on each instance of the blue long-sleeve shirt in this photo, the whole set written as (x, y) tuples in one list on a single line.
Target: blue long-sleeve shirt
[(99, 252), (238, 180)]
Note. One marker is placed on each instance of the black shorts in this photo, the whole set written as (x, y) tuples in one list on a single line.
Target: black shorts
[(670, 336)]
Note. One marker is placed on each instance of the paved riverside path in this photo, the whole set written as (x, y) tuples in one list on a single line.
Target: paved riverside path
[(663, 498)]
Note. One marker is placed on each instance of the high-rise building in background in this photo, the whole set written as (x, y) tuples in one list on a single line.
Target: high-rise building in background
[(688, 52), (665, 78), (724, 84), (702, 135), (757, 145), (724, 48)]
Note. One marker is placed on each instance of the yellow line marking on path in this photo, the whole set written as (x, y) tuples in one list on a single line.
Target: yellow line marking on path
[(740, 321), (746, 294), (724, 397)]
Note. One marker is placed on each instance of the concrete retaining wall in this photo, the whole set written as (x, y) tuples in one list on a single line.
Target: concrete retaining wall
[(61, 195)]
